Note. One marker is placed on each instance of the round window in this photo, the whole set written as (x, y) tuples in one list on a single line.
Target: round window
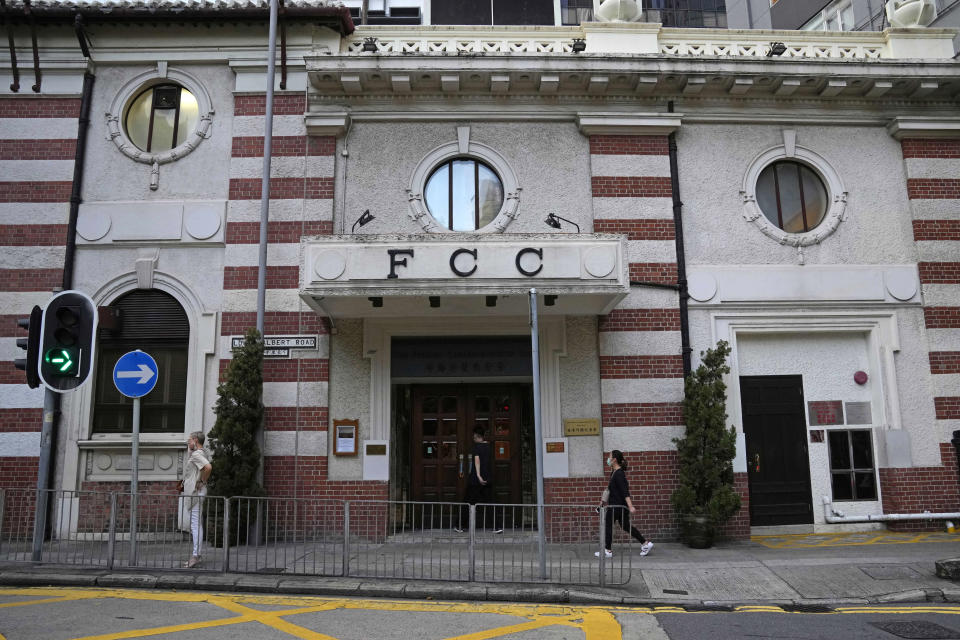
[(161, 118), (464, 194), (792, 196)]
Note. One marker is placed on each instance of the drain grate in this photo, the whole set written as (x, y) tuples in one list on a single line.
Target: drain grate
[(676, 592), (916, 629), (271, 570), (806, 608), (697, 608)]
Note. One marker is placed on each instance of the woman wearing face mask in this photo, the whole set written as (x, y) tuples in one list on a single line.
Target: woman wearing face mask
[(618, 490), (196, 471)]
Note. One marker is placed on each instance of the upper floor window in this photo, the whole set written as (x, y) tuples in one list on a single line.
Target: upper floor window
[(791, 196), (838, 17), (161, 117), (573, 12), (464, 194), (152, 321)]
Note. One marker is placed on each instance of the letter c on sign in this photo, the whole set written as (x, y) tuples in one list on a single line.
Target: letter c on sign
[(453, 262), (523, 252)]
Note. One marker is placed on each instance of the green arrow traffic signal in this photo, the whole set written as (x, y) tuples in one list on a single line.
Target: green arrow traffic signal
[(62, 359)]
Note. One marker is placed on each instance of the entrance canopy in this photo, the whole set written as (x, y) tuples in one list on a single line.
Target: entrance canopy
[(463, 275)]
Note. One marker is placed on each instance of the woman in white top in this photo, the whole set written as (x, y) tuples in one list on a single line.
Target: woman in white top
[(196, 471)]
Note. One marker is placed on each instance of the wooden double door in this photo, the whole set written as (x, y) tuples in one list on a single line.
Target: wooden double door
[(778, 464), (444, 417)]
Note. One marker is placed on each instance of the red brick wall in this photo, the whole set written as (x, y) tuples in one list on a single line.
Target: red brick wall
[(252, 146), (661, 272), (641, 367), (941, 317), (936, 230), (918, 489), (39, 107), (933, 188), (158, 506), (274, 322), (629, 145), (641, 320), (642, 414), (942, 362), (32, 235), (278, 277), (20, 420), (283, 105), (37, 149), (930, 147), (633, 187), (280, 188), (655, 229), (18, 476), (277, 231), (939, 272), (24, 191)]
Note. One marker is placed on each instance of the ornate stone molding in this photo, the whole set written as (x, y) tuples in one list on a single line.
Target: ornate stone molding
[(836, 195), (131, 90)]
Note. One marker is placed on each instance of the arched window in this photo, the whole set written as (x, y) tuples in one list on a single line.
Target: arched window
[(154, 322)]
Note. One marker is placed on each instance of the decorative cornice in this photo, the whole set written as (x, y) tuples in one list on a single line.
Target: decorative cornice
[(923, 127), (651, 124)]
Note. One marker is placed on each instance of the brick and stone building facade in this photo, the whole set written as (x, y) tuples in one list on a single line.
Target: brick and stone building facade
[(415, 334)]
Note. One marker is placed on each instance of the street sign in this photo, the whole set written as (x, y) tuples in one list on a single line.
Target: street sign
[(135, 374)]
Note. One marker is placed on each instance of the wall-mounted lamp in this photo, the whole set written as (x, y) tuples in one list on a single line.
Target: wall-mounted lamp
[(434, 301), (370, 45), (491, 301), (776, 49), (579, 44), (364, 218), (554, 221), (549, 301), (376, 301)]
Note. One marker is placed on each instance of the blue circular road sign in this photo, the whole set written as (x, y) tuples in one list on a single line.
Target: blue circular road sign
[(135, 374)]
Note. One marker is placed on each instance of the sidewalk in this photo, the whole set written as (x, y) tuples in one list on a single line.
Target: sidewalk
[(790, 570)]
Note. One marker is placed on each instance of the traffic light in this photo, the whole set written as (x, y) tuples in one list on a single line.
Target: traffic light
[(32, 346), (67, 341)]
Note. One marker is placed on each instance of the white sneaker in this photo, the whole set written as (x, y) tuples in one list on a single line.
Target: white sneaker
[(606, 553), (645, 548)]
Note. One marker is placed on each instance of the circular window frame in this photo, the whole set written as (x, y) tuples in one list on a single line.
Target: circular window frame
[(134, 88), (475, 151), (836, 196)]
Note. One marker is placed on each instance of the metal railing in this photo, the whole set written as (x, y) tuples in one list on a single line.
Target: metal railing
[(355, 538)]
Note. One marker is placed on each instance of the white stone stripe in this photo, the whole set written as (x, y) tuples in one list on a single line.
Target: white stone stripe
[(936, 209), (944, 340), (650, 298), (38, 128), (246, 300), (20, 396), (651, 251), (283, 167), (286, 443), (248, 255), (36, 170), (285, 394), (939, 250), (246, 126), (639, 343), (322, 350), (632, 208), (933, 167), (941, 295), (20, 444), (31, 257), (630, 165), (281, 210), (641, 438), (9, 350), (641, 390), (14, 302), (34, 212), (946, 384)]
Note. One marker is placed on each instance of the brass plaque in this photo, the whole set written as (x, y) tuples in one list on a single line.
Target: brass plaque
[(581, 427), (554, 447), (376, 449)]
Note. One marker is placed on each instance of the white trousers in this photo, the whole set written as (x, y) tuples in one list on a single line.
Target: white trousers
[(196, 526)]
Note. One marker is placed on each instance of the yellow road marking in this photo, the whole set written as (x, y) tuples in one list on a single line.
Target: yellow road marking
[(24, 603), (815, 540)]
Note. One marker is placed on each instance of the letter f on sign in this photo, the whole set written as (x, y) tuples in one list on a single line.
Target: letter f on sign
[(394, 263)]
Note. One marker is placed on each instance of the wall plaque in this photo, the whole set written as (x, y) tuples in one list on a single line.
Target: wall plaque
[(345, 437), (472, 356), (859, 413), (376, 449), (554, 447), (581, 427), (825, 412)]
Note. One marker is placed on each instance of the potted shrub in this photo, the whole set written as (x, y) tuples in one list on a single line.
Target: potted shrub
[(705, 497)]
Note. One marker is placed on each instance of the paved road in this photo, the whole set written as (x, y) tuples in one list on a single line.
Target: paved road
[(111, 614)]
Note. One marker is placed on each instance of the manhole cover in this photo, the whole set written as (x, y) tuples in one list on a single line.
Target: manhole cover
[(916, 629), (889, 572)]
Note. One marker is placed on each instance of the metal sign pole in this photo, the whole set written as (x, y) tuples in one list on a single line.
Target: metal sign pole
[(134, 477), (538, 431)]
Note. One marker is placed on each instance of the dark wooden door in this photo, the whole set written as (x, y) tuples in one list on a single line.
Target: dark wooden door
[(778, 466), (444, 417)]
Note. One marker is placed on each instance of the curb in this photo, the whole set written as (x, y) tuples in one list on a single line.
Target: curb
[(349, 587)]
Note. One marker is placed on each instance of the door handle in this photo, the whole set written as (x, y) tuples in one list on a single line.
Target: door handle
[(461, 465), (756, 463)]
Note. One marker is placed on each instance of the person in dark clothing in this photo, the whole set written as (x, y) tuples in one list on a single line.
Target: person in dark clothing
[(619, 497), (478, 484)]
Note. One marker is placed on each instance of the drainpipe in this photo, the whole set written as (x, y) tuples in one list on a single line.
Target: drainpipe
[(685, 348), (833, 516)]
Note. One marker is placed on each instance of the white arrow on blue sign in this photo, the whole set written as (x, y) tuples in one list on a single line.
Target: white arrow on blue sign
[(135, 374)]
